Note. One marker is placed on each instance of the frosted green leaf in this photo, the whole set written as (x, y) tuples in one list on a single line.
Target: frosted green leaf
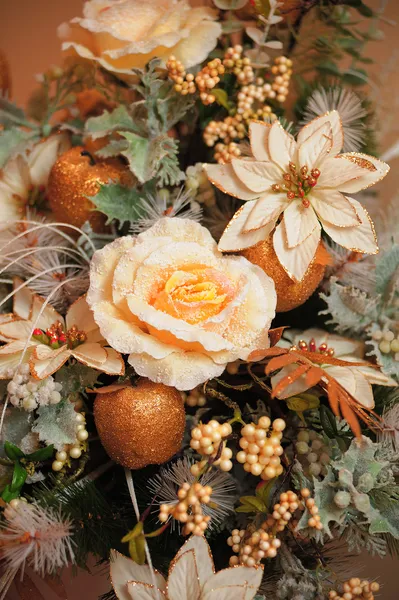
[(76, 378), (56, 424), (108, 122), (138, 155), (385, 269), (118, 203), (13, 142)]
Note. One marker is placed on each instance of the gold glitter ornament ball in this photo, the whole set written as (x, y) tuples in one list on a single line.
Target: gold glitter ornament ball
[(77, 175), (290, 294), (140, 425), (5, 75)]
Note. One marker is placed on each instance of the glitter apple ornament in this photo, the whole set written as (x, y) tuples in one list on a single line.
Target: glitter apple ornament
[(290, 293), (75, 177), (140, 425)]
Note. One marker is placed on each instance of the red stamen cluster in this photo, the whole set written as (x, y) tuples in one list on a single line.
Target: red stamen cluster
[(298, 184), (312, 347), (55, 336)]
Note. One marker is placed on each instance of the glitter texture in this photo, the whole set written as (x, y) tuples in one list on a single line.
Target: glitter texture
[(290, 294), (140, 425), (73, 178)]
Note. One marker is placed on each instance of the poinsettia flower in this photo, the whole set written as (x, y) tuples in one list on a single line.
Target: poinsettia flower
[(191, 577), (356, 380), (27, 172), (50, 340), (308, 181)]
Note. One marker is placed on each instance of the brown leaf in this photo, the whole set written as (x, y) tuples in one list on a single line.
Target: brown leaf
[(313, 376), (286, 381), (107, 389), (350, 416), (266, 352), (275, 335), (280, 361), (333, 396), (324, 359)]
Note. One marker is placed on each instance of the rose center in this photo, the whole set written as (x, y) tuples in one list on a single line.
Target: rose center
[(56, 336), (298, 183), (312, 347), (194, 295)]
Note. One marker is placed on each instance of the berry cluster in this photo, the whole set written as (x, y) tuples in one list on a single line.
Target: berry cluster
[(282, 69), (297, 184), (188, 510), (203, 82), (238, 65), (73, 450), (388, 342), (252, 547), (28, 393), (56, 336), (194, 398), (313, 454), (261, 448), (198, 184), (208, 441), (355, 589)]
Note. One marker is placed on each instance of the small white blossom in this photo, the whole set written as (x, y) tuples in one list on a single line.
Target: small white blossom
[(28, 393)]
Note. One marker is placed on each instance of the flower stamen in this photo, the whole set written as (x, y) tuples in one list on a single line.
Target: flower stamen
[(298, 184)]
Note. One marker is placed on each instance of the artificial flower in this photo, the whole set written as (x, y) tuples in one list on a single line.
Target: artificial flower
[(350, 109), (26, 174), (122, 35), (356, 380), (191, 577), (179, 308), (47, 340), (305, 180)]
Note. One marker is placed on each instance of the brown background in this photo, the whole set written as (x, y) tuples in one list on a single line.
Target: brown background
[(28, 36)]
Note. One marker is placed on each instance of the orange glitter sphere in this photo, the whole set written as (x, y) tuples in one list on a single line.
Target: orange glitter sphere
[(5, 75), (73, 178), (140, 425), (290, 294)]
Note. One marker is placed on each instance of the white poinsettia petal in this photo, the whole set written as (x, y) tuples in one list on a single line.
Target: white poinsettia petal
[(338, 173), (40, 369), (48, 315), (345, 377), (183, 580), (80, 315), (258, 136), (10, 361), (282, 146), (248, 579), (373, 170), (90, 353), (203, 556), (123, 570), (354, 382), (22, 300), (114, 365), (180, 329), (225, 179), (257, 175), (16, 330), (316, 147), (144, 591), (333, 207), (361, 238), (182, 370), (15, 178), (364, 392), (296, 260), (375, 376), (43, 156), (234, 239), (299, 223), (267, 208), (334, 120), (293, 389)]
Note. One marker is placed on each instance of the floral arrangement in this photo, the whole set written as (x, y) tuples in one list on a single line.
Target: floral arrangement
[(199, 331)]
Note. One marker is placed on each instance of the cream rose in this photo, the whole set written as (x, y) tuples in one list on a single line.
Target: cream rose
[(125, 34), (176, 305)]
